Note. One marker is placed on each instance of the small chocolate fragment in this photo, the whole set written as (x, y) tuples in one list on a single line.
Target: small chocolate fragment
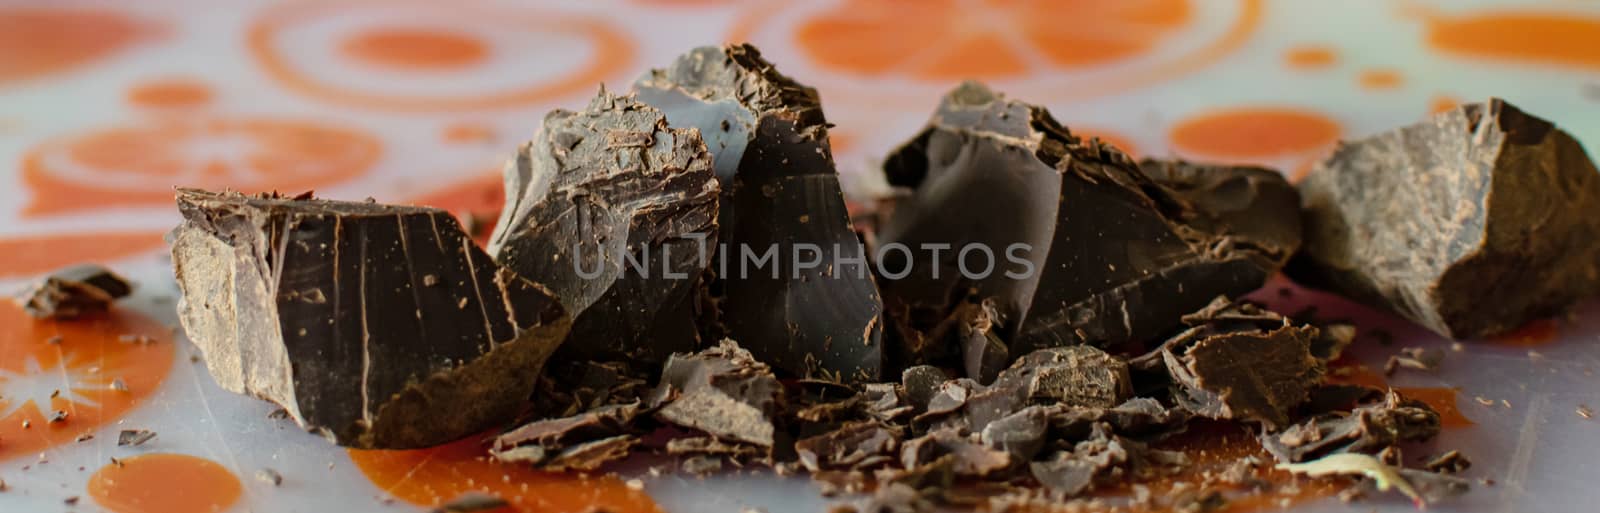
[(780, 197), (1072, 376), (1451, 462), (1366, 430), (972, 457), (855, 446), (73, 291), (1088, 249), (722, 391), (616, 213), (134, 437), (1242, 362), (583, 441), (472, 502), (319, 306), (1427, 220)]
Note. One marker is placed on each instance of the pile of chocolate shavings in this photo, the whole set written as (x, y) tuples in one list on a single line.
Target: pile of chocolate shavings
[(1061, 426)]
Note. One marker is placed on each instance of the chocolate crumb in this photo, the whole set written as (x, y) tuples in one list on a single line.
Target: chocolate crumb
[(1451, 462), (472, 502), (1585, 412)]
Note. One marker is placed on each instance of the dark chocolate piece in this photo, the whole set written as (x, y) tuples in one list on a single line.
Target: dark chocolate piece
[(972, 457), (1366, 430), (1482, 201), (73, 291), (1071, 376), (377, 326), (722, 391), (1088, 249), (1239, 361), (616, 213), (780, 193)]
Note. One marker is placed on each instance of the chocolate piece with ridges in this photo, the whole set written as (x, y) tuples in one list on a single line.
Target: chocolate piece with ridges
[(1482, 201), (1240, 361), (616, 213), (323, 307), (1102, 253), (780, 192)]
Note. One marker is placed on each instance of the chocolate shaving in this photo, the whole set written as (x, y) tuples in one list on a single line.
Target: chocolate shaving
[(472, 502), (1239, 364)]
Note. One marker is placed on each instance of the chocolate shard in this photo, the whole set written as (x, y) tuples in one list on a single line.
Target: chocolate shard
[(722, 391), (1480, 201), (616, 213), (780, 194), (854, 446), (1239, 361), (972, 457), (74, 291), (1071, 376), (1088, 248), (1366, 430), (377, 326)]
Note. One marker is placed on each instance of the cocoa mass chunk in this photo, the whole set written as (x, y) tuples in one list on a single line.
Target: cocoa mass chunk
[(377, 326), (1099, 252), (813, 309), (616, 213), (1428, 220)]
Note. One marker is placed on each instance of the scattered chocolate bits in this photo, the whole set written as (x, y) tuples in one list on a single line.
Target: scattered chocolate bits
[(269, 476), (1480, 201), (1368, 429), (74, 291)]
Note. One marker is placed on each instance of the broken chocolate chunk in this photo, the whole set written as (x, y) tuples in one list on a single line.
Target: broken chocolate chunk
[(134, 437), (722, 391), (815, 309), (1427, 220), (1239, 361), (1070, 376), (1097, 252), (1367, 430), (74, 291), (972, 457), (615, 212), (320, 306)]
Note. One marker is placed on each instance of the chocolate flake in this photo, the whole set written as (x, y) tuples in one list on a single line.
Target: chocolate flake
[(134, 437), (584, 441), (780, 193), (1451, 462), (614, 212), (1113, 257), (74, 291), (1480, 201), (472, 502), (1241, 362), (334, 287), (722, 391)]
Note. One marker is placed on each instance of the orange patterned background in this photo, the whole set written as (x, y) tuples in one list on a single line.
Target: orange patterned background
[(106, 105)]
